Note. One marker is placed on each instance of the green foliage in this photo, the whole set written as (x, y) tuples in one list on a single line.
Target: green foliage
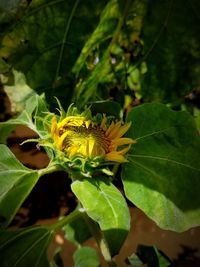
[(149, 255), (171, 50), (162, 176), (25, 118), (108, 55), (16, 182), (110, 51), (85, 257), (25, 247), (33, 116), (57, 259), (9, 11), (105, 205), (77, 231), (4, 67), (18, 93), (49, 30)]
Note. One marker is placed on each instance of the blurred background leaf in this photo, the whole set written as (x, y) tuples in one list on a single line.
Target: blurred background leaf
[(46, 41), (11, 11), (171, 50), (93, 51), (109, 53)]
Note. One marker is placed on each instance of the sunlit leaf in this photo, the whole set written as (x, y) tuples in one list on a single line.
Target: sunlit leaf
[(105, 205), (162, 176)]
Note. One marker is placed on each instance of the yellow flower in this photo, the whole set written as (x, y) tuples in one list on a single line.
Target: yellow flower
[(78, 136)]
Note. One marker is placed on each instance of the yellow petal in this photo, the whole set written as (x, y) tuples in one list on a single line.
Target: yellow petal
[(124, 150), (72, 121), (61, 140), (91, 144), (53, 125), (123, 141), (110, 128), (72, 150), (123, 129), (114, 130), (103, 122), (87, 124), (115, 156)]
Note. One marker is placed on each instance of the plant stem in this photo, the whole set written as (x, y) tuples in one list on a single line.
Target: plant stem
[(98, 235), (49, 169), (67, 219)]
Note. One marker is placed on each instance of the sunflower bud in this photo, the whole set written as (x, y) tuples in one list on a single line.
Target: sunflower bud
[(87, 144)]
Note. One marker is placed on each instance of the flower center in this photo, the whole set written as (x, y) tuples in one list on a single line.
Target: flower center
[(88, 142)]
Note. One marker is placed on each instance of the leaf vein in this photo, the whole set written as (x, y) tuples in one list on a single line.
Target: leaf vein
[(166, 159)]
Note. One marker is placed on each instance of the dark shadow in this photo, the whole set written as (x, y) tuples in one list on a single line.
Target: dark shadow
[(51, 193), (187, 258)]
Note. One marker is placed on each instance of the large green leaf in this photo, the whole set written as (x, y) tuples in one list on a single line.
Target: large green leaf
[(47, 40), (171, 50), (25, 247), (162, 176), (16, 182), (105, 205), (86, 257)]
